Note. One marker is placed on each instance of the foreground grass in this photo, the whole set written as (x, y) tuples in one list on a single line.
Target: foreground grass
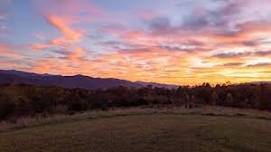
[(146, 130)]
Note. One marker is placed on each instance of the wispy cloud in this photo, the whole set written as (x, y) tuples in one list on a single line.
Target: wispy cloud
[(68, 33), (174, 42), (264, 64), (7, 50)]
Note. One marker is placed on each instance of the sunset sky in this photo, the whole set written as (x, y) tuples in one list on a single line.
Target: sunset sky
[(165, 41)]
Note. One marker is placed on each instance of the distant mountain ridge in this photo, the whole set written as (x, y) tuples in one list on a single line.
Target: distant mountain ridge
[(76, 81)]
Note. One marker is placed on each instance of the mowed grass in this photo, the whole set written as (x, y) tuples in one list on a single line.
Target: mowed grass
[(143, 132)]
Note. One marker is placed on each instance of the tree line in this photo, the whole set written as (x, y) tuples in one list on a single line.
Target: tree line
[(30, 100)]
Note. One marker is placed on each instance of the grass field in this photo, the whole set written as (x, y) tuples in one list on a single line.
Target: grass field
[(144, 131)]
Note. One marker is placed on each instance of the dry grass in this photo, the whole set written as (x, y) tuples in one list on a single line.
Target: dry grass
[(202, 110), (207, 129)]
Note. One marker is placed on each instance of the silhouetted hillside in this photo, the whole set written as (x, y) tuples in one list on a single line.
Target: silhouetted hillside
[(76, 81)]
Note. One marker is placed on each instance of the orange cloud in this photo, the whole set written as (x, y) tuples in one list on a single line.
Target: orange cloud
[(153, 65), (77, 55), (69, 37), (69, 33)]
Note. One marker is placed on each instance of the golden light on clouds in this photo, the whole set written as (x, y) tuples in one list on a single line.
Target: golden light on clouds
[(157, 43)]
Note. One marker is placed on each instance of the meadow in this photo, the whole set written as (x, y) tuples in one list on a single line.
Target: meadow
[(207, 128)]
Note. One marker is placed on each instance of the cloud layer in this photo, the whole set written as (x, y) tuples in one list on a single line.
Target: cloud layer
[(182, 43)]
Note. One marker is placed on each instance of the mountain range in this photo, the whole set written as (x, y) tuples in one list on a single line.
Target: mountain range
[(75, 81)]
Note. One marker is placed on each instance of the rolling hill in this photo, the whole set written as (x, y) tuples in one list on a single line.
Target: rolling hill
[(76, 81)]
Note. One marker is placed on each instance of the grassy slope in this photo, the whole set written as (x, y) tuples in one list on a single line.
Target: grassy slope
[(144, 132)]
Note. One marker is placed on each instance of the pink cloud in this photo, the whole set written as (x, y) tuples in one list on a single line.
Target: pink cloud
[(147, 14), (69, 33), (7, 51), (39, 46)]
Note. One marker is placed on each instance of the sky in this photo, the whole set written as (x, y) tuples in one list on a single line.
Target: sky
[(183, 42)]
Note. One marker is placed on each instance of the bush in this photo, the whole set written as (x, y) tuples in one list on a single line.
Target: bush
[(6, 108)]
